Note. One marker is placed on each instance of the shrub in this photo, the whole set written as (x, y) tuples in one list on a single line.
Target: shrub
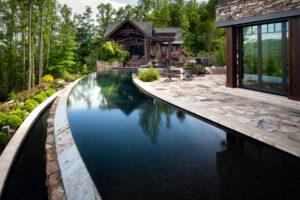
[(3, 140), (149, 75), (50, 92), (20, 113), (22, 96), (109, 51), (16, 106), (43, 94), (61, 85), (70, 77), (52, 86), (47, 78), (153, 54), (39, 98), (2, 119), (11, 95), (13, 121), (31, 95), (29, 105)]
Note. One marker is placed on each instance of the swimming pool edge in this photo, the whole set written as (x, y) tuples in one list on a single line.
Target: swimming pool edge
[(67, 175), (278, 142)]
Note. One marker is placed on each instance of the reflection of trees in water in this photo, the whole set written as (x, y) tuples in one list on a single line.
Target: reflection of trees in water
[(180, 115), (82, 91), (118, 91), (152, 118)]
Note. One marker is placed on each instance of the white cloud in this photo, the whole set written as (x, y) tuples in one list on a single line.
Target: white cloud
[(78, 6)]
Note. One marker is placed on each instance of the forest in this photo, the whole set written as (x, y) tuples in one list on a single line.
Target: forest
[(39, 37)]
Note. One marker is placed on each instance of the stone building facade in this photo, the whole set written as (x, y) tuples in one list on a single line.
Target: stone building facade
[(263, 45), (237, 9)]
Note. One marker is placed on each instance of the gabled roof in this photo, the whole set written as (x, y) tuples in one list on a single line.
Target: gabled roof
[(146, 26), (177, 30)]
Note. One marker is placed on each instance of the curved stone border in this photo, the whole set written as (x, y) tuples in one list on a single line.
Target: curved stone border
[(281, 143), (11, 150), (63, 160)]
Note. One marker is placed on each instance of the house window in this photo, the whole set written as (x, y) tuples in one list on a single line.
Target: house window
[(264, 64)]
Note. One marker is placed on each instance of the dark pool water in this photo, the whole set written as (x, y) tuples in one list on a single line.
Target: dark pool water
[(136, 147), (28, 175)]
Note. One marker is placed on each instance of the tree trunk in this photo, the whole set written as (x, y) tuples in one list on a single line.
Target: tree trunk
[(29, 48), (17, 70), (41, 49), (24, 59)]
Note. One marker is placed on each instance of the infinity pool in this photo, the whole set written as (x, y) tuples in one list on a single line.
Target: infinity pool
[(137, 147)]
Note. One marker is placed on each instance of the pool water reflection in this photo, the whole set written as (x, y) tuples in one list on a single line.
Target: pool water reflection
[(136, 147)]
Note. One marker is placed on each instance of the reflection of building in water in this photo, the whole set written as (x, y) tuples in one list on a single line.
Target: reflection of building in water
[(251, 170)]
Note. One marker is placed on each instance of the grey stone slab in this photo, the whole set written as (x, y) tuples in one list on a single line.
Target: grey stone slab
[(75, 176)]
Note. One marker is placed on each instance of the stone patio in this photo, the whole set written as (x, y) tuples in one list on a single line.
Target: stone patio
[(272, 119)]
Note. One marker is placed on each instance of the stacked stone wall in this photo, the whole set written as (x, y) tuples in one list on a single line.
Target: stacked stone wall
[(107, 65), (237, 9)]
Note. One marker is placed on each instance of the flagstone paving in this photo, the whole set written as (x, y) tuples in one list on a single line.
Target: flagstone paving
[(272, 119)]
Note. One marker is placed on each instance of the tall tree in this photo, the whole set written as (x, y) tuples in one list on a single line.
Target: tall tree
[(29, 46), (104, 17), (41, 5)]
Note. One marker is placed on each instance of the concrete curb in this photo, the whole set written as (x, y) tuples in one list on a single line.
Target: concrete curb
[(11, 151), (281, 143), (67, 175)]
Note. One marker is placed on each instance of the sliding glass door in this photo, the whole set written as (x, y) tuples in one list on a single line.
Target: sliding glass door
[(263, 51)]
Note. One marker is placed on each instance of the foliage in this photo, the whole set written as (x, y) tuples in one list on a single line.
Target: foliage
[(31, 95), (188, 65), (22, 96), (13, 121), (125, 55), (149, 75), (43, 94), (68, 39), (49, 92), (2, 119), (70, 77), (20, 113), (61, 85), (47, 78), (153, 54), (3, 140), (39, 98), (110, 52), (29, 105), (52, 86), (11, 95)]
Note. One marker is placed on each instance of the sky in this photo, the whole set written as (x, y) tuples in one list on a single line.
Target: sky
[(78, 6)]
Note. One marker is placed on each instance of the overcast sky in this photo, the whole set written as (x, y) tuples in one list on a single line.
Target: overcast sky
[(78, 6)]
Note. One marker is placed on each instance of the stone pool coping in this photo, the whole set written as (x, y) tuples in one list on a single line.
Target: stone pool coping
[(285, 144), (67, 175), (10, 152)]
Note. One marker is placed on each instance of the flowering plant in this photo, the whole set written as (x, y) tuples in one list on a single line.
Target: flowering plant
[(175, 55), (185, 53)]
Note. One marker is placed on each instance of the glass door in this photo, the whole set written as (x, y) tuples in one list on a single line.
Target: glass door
[(264, 58)]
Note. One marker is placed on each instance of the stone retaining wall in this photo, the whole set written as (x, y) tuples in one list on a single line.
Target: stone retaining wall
[(67, 175), (247, 8), (107, 65), (53, 182)]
